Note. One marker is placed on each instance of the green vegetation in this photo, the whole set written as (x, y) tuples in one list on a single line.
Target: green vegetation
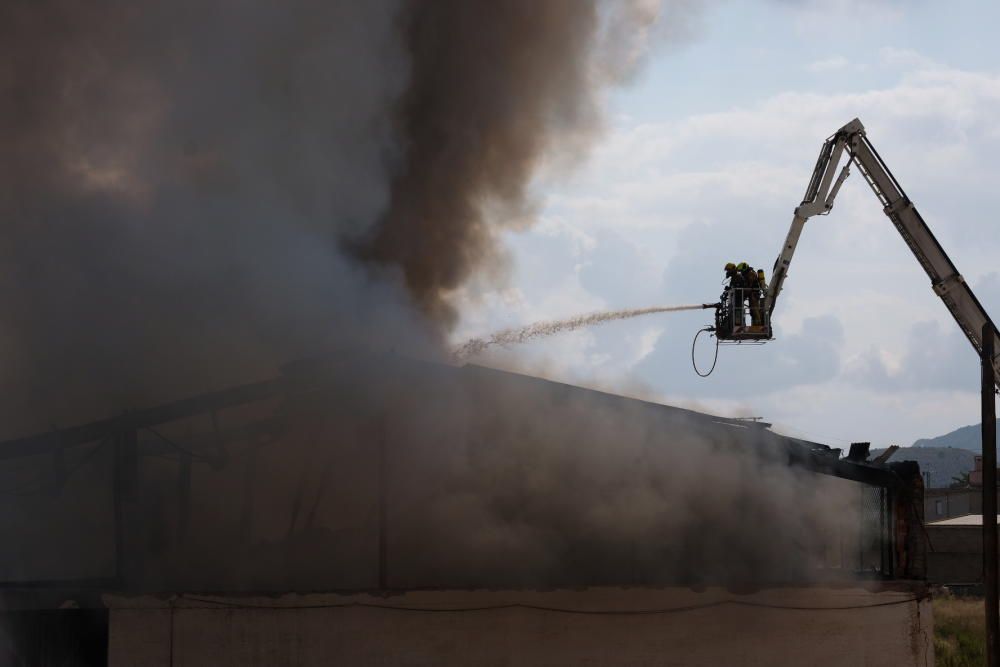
[(960, 481), (959, 632)]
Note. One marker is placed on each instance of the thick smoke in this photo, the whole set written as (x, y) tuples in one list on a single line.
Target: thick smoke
[(176, 179), (412, 475), (494, 86), (195, 192), (180, 181)]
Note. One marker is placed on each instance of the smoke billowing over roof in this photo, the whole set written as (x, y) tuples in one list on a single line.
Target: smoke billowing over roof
[(196, 192)]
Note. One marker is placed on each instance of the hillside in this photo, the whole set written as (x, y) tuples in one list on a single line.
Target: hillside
[(942, 463), (945, 456), (967, 437)]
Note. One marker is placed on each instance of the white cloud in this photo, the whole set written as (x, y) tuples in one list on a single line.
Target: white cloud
[(828, 64), (904, 58), (661, 206), (827, 17)]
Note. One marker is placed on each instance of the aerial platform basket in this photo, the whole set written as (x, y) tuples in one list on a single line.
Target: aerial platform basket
[(742, 317)]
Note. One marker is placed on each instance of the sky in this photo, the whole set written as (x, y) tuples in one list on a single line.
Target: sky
[(704, 157)]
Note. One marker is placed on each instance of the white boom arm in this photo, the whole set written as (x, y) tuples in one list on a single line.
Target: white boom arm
[(946, 281)]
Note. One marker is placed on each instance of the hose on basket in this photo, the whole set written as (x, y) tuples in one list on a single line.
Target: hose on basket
[(715, 359)]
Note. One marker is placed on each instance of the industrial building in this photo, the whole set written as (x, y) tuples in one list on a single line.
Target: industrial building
[(955, 533), (942, 504), (384, 510), (955, 551)]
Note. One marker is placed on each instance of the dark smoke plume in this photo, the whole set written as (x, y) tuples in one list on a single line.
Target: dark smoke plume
[(178, 180), (493, 86)]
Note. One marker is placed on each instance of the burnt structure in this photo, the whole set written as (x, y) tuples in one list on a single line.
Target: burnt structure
[(389, 475)]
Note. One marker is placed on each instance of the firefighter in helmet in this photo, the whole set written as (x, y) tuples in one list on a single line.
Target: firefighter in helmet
[(732, 308), (732, 275), (750, 279)]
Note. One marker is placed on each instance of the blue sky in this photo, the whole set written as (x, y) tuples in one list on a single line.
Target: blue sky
[(705, 155), (732, 53)]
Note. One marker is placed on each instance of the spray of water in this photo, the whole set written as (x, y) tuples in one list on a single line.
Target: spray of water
[(474, 346)]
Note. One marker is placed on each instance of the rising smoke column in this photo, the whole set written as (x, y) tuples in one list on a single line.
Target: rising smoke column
[(494, 88), (179, 179)]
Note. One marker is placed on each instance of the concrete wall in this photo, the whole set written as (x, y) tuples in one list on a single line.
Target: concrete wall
[(805, 626), (947, 503), (955, 554)]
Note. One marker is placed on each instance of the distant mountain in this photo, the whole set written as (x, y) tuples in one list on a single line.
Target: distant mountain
[(967, 437), (945, 456), (942, 463)]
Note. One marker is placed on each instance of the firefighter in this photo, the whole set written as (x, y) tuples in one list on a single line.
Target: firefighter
[(751, 281), (761, 295), (732, 275), (732, 299)]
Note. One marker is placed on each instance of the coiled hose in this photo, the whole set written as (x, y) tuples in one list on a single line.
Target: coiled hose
[(714, 360)]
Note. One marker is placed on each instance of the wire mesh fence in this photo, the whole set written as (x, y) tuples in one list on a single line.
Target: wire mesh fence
[(874, 554)]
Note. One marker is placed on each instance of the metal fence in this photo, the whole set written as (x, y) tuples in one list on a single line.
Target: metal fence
[(875, 541)]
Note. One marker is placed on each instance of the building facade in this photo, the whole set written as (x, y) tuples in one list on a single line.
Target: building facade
[(398, 512)]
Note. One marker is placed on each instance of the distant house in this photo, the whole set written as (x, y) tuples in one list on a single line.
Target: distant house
[(954, 531), (948, 503), (955, 550), (976, 475), (940, 504)]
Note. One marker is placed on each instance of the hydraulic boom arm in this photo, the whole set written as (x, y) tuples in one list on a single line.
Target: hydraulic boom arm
[(946, 281)]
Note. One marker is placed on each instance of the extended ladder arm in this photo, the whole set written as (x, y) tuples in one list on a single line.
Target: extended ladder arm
[(946, 281)]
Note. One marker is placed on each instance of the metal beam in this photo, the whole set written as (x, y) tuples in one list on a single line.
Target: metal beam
[(48, 442), (990, 500)]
